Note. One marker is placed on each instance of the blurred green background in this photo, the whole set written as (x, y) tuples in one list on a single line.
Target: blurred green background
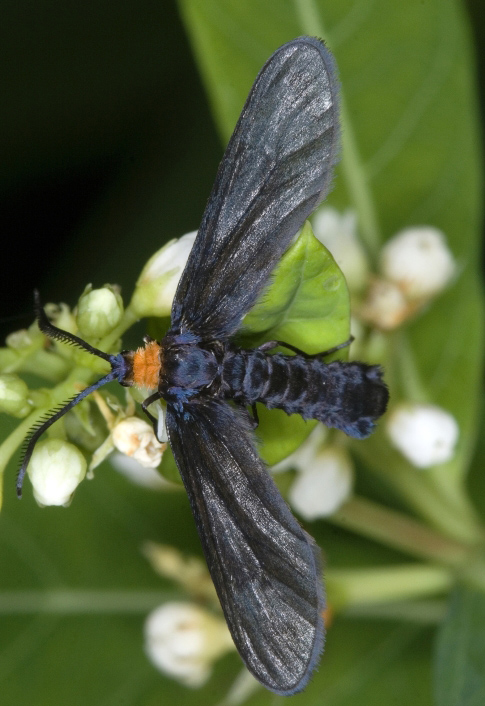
[(108, 150)]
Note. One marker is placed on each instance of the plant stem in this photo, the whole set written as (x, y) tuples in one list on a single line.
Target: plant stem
[(75, 602), (406, 534), (450, 513), (399, 531), (353, 168), (429, 612), (348, 587)]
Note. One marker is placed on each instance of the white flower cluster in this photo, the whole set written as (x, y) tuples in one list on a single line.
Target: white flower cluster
[(415, 265)]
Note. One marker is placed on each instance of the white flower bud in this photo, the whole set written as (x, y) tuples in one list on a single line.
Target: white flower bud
[(158, 281), (321, 488), (135, 438), (99, 311), (385, 306), (13, 395), (423, 433), (184, 641), (419, 261), (338, 232), (56, 469), (17, 340)]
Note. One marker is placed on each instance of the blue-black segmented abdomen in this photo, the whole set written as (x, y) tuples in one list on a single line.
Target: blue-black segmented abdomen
[(347, 396)]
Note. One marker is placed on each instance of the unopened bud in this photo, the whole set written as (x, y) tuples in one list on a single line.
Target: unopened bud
[(423, 433), (99, 311), (56, 469), (419, 261), (13, 395), (158, 281), (385, 306), (18, 340), (135, 438), (184, 641)]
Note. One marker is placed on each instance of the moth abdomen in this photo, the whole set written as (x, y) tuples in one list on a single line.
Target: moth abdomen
[(346, 396)]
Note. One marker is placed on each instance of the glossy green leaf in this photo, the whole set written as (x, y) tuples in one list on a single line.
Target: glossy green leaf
[(459, 672), (307, 301), (307, 305)]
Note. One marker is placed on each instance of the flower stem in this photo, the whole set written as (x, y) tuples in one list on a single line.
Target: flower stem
[(79, 602), (350, 587), (399, 531), (353, 168), (425, 612), (451, 513)]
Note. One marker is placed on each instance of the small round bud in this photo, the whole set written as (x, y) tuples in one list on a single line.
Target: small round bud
[(99, 311), (183, 641), (56, 469), (321, 488), (18, 340), (423, 433), (385, 306), (135, 438), (13, 395), (419, 261), (338, 232), (158, 281)]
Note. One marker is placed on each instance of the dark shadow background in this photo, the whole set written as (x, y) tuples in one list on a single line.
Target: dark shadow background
[(106, 141), (107, 145)]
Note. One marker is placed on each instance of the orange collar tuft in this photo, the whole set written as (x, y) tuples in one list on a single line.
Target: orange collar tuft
[(146, 366)]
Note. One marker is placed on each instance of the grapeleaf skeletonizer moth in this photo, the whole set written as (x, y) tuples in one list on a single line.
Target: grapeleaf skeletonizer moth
[(276, 169)]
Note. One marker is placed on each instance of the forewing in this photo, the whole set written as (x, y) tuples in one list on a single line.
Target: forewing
[(265, 568), (276, 169)]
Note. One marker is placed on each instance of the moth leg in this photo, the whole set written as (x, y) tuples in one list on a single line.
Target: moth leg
[(253, 418), (145, 404), (269, 345)]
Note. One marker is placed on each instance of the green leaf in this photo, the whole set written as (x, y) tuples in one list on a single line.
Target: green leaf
[(307, 302), (306, 305), (459, 672)]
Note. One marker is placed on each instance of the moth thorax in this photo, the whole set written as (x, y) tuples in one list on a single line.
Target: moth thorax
[(144, 366)]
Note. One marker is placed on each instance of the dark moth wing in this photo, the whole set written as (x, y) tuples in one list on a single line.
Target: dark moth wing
[(265, 568), (276, 169)]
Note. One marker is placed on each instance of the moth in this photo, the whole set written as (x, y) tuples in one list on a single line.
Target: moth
[(276, 169)]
